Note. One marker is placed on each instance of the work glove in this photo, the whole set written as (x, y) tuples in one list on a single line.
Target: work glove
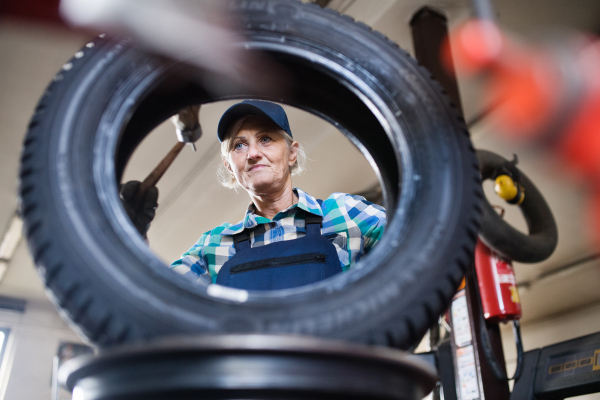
[(140, 208)]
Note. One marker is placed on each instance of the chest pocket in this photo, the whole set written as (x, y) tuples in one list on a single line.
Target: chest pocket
[(281, 265)]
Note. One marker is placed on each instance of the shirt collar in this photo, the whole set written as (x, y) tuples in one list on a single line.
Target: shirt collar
[(308, 203), (305, 202)]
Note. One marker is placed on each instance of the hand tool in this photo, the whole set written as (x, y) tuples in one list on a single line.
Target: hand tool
[(187, 124)]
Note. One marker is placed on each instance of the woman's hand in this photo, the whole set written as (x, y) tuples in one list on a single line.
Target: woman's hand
[(140, 207)]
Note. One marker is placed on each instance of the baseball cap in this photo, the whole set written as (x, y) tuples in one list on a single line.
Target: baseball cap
[(267, 109)]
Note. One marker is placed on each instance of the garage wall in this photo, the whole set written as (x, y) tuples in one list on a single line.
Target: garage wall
[(30, 54), (34, 337)]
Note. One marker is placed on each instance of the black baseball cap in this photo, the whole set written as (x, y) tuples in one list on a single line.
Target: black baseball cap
[(253, 107)]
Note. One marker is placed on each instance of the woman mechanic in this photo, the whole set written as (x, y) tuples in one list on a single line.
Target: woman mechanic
[(287, 237)]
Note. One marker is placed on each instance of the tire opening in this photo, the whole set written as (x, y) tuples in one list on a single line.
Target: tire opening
[(166, 90), (192, 177)]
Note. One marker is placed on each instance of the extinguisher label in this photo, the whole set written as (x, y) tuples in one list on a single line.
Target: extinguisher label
[(514, 295), (506, 278)]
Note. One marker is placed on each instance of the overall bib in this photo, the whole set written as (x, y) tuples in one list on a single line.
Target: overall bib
[(281, 265)]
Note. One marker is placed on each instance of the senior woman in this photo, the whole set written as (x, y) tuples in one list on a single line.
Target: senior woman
[(287, 237)]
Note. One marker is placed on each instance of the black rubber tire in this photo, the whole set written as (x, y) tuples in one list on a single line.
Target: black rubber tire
[(497, 234), (104, 278)]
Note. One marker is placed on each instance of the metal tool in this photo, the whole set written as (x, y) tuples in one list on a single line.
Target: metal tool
[(187, 125)]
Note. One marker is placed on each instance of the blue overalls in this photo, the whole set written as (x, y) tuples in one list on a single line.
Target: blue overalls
[(281, 265)]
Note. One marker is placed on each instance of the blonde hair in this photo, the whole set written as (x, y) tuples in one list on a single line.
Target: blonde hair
[(226, 177)]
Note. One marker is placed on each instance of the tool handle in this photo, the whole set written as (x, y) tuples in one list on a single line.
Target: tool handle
[(154, 176)]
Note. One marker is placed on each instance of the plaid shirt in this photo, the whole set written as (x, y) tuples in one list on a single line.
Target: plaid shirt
[(351, 223)]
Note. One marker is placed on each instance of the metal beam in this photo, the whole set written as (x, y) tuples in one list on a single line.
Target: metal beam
[(429, 31)]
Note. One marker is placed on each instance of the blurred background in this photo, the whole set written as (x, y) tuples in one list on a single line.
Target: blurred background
[(560, 296)]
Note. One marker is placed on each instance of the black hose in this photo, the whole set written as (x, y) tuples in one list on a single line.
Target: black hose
[(497, 234), (497, 370), (520, 353)]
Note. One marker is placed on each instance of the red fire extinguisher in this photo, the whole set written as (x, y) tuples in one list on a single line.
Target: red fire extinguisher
[(499, 303), (497, 285)]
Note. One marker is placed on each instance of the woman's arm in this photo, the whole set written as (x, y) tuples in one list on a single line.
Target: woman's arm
[(193, 264), (369, 217)]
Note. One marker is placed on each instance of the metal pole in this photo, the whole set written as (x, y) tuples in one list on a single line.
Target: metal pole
[(430, 30), (483, 9)]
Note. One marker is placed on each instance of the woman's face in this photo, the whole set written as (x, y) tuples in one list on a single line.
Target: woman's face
[(260, 158)]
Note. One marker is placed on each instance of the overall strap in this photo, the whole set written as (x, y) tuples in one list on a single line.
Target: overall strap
[(313, 224), (241, 241)]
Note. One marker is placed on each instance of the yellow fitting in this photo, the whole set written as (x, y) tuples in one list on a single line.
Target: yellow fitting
[(507, 189)]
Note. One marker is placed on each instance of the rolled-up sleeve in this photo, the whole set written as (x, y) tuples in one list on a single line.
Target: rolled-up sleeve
[(192, 263), (369, 217)]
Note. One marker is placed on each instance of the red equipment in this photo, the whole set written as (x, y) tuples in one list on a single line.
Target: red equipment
[(497, 285)]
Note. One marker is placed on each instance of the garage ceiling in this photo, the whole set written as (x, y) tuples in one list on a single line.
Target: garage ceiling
[(191, 201)]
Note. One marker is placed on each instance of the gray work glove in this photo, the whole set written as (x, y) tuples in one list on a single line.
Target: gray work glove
[(140, 209)]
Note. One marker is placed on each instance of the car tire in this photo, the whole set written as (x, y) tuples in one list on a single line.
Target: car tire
[(108, 284)]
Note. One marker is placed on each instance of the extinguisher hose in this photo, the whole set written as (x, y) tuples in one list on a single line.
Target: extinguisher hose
[(497, 370), (520, 353)]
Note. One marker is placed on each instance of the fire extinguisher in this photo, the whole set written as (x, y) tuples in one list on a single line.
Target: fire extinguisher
[(497, 285), (500, 302)]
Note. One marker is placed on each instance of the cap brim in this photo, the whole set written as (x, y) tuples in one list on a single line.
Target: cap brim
[(236, 112)]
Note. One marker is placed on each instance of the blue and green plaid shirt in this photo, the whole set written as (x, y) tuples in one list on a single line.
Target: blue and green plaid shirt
[(351, 223)]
